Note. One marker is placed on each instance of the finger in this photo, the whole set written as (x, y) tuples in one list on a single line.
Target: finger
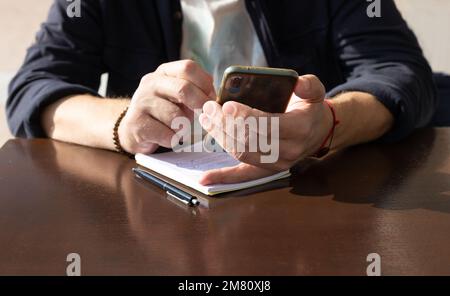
[(310, 88), (219, 135), (237, 174), (153, 131), (163, 110), (191, 71), (190, 114), (231, 134), (241, 144), (180, 91), (237, 109), (235, 135), (250, 115), (246, 150), (236, 149), (213, 110), (250, 119), (269, 125)]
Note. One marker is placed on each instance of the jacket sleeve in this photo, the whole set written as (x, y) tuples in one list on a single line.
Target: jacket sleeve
[(64, 60), (381, 56)]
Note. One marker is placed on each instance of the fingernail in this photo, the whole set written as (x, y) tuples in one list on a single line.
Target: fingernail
[(208, 108), (306, 83), (229, 109)]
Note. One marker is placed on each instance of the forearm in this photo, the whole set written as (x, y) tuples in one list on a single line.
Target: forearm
[(362, 119), (84, 120)]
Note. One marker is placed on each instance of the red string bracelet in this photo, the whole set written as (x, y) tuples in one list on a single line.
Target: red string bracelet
[(324, 149)]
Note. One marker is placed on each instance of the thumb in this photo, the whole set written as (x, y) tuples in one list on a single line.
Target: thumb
[(310, 89)]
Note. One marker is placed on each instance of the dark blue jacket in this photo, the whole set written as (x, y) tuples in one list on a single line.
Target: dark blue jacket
[(333, 39)]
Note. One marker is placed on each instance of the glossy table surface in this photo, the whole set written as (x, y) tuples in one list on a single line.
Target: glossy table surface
[(393, 200)]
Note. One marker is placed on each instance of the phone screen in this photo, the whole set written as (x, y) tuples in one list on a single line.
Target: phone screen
[(266, 92)]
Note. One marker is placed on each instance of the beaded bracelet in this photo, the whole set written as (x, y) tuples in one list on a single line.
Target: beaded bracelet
[(116, 139)]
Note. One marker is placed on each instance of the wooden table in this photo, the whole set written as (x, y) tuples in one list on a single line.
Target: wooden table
[(393, 200)]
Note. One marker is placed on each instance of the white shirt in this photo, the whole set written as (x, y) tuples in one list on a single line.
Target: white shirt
[(218, 34)]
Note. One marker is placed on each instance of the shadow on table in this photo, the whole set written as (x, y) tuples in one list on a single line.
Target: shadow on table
[(406, 175)]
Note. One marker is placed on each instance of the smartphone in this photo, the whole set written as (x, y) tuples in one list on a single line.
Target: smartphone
[(266, 89)]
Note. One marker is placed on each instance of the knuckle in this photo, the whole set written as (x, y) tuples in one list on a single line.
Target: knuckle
[(147, 78), (161, 67), (244, 113), (138, 136), (188, 67), (174, 113), (184, 91)]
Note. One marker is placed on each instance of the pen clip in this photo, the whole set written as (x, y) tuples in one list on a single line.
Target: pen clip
[(192, 202)]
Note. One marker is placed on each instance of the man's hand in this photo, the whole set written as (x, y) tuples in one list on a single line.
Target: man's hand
[(173, 90), (302, 130)]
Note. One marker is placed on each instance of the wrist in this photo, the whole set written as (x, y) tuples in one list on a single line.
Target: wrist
[(115, 134), (330, 124), (105, 112), (362, 119)]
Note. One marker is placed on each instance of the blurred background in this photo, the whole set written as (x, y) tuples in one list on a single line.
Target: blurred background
[(19, 21)]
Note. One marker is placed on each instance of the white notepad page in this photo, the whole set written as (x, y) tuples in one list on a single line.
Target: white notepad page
[(187, 168)]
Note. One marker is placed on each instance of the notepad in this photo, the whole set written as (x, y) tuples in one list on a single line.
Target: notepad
[(187, 167)]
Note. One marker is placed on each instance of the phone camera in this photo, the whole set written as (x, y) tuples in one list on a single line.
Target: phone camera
[(235, 84)]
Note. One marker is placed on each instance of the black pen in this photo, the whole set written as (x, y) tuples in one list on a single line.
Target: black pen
[(171, 190)]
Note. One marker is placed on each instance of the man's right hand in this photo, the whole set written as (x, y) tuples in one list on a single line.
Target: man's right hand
[(175, 89)]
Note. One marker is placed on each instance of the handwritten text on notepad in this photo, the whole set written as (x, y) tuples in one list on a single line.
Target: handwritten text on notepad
[(208, 161)]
